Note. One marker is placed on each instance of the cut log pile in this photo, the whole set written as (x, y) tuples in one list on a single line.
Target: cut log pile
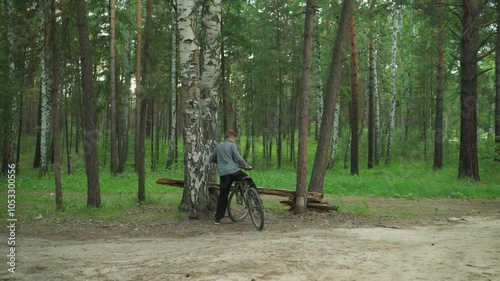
[(314, 199)]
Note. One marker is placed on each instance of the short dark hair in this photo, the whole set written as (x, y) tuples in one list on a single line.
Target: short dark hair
[(231, 133)]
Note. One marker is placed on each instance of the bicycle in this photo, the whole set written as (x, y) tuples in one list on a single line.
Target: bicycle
[(244, 199)]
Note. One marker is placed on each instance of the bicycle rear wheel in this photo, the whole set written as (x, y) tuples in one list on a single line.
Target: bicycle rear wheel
[(236, 208), (256, 209)]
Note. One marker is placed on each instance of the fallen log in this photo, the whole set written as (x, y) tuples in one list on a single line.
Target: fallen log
[(320, 206), (311, 196), (314, 199)]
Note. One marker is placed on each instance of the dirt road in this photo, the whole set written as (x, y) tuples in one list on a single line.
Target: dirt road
[(452, 248)]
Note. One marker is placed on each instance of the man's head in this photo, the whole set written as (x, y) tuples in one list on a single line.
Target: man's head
[(231, 135)]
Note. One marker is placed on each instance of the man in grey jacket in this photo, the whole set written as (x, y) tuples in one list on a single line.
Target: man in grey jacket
[(228, 161)]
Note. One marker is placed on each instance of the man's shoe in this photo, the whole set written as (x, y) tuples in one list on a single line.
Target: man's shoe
[(216, 221)]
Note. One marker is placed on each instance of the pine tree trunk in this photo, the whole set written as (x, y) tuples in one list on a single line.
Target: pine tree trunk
[(142, 108), (305, 93), (354, 100), (392, 110), (438, 123), (371, 88), (125, 108), (320, 160), (138, 83), (89, 115), (468, 166), (112, 86), (195, 197), (15, 97)]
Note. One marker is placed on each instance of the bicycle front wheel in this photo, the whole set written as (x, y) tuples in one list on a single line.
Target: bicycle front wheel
[(236, 208), (256, 209)]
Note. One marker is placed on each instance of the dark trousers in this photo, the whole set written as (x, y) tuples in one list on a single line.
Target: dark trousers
[(225, 185)]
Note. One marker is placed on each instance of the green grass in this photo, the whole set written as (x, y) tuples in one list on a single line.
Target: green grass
[(34, 194), (410, 181)]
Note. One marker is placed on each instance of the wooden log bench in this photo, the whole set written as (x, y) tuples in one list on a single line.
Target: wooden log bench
[(314, 199)]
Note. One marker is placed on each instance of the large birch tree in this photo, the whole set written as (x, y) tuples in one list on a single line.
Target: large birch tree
[(195, 196), (210, 77)]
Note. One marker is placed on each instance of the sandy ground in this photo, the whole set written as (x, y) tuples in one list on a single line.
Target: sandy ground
[(313, 247)]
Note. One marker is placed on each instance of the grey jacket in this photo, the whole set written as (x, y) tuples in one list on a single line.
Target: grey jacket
[(227, 158)]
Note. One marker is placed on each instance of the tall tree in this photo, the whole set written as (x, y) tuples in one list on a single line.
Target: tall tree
[(318, 81), (124, 128), (89, 115), (112, 87), (335, 135), (15, 97), (138, 76), (195, 197), (468, 166), (335, 71), (305, 93), (54, 73), (210, 83), (45, 106), (172, 141), (354, 100), (210, 77), (371, 88), (438, 123), (142, 101), (497, 89), (392, 111)]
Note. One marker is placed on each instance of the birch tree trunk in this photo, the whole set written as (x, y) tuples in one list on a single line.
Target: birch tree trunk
[(46, 110), (497, 89), (392, 110), (320, 160), (89, 115), (305, 93), (210, 84), (318, 82), (54, 72), (112, 86), (468, 166), (335, 135), (376, 113), (173, 98), (438, 123), (195, 197)]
